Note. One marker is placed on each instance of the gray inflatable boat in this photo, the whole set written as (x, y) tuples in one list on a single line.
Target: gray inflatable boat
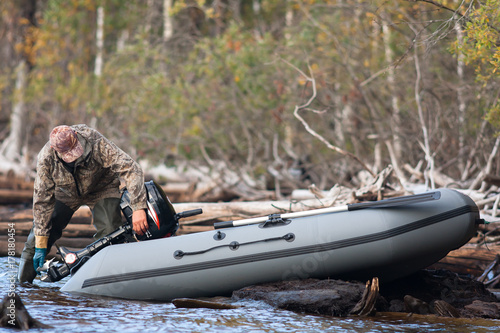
[(386, 239)]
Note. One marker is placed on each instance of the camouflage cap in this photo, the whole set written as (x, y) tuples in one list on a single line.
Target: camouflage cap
[(65, 141)]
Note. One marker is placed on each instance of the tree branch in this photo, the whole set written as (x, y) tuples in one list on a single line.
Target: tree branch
[(306, 105)]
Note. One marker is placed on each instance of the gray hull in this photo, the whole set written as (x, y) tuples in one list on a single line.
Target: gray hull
[(387, 243)]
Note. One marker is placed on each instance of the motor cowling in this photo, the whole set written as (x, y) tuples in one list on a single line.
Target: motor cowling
[(162, 219)]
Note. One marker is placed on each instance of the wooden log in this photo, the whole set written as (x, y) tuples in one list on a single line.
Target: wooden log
[(8, 214), (444, 309), (492, 179), (72, 230), (11, 181), (488, 269), (440, 179), (469, 259), (9, 196)]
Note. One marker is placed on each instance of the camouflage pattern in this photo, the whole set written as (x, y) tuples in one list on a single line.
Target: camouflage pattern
[(65, 141), (97, 176)]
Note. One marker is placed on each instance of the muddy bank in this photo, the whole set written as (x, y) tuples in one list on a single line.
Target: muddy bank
[(437, 292)]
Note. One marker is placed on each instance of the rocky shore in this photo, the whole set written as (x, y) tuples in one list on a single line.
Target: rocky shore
[(435, 292)]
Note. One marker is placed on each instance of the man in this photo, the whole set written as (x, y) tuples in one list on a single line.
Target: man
[(79, 166)]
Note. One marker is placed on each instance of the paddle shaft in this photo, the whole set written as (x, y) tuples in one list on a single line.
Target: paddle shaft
[(391, 202)]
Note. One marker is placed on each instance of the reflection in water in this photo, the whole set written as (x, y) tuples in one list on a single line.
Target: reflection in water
[(79, 313)]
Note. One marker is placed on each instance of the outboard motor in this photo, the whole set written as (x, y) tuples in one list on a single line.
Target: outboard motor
[(160, 213), (162, 219)]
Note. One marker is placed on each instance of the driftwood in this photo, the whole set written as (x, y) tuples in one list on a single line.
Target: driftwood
[(469, 259), (491, 275), (13, 182), (440, 179), (444, 309), (366, 305), (15, 196)]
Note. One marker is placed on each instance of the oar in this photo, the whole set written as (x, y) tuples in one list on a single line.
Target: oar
[(391, 202)]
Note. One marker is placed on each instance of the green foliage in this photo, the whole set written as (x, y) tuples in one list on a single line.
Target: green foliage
[(481, 48)]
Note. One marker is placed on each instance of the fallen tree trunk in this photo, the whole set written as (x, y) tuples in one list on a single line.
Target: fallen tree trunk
[(9, 196), (469, 259)]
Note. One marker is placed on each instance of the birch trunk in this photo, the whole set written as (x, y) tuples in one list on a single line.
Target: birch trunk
[(12, 147), (461, 99), (391, 82), (99, 41), (429, 171), (168, 29), (289, 134)]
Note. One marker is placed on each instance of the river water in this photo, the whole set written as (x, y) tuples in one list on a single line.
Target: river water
[(76, 313)]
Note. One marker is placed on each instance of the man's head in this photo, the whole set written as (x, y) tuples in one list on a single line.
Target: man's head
[(65, 141)]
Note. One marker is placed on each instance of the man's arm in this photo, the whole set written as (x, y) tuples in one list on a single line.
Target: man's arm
[(132, 174), (43, 206)]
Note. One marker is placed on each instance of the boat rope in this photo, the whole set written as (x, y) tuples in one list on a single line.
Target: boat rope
[(290, 237)]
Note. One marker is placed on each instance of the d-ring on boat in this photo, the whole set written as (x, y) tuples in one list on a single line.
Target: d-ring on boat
[(387, 239)]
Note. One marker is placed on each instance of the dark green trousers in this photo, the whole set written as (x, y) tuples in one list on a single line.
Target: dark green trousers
[(106, 216)]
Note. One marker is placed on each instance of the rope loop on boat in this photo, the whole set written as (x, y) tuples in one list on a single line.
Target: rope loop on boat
[(179, 254)]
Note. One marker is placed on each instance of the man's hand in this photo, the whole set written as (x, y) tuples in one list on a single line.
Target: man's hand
[(139, 221), (39, 258)]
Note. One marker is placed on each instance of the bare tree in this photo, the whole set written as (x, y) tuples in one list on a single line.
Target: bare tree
[(305, 106), (99, 41), (14, 146), (168, 27)]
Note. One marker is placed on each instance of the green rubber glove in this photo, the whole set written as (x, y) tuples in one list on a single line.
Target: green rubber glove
[(39, 258)]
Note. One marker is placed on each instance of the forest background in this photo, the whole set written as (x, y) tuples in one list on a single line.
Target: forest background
[(278, 94)]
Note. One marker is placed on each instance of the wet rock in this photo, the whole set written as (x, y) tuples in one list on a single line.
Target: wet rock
[(13, 314), (396, 305), (415, 305), (326, 297), (441, 293), (484, 309)]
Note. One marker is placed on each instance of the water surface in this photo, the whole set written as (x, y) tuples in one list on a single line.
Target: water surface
[(77, 313)]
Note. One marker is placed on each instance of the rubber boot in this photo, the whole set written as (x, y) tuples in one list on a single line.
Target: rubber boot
[(26, 272), (59, 220)]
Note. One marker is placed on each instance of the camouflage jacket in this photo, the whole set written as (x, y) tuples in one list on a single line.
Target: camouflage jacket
[(97, 175)]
